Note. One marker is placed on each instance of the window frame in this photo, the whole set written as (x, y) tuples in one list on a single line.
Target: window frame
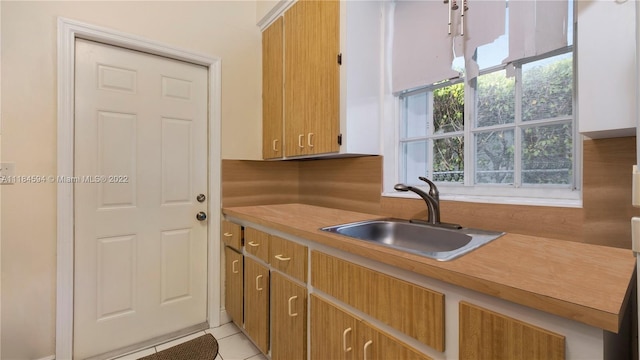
[(518, 193)]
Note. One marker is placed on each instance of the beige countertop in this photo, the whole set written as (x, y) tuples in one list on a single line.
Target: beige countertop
[(586, 283)]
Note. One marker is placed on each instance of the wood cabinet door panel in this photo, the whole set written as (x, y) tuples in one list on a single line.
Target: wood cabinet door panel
[(312, 77), (234, 279), (256, 303), (380, 295), (485, 334), (378, 345), (288, 319), (272, 90), (333, 332)]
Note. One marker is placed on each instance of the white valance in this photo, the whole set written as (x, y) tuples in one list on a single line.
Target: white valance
[(536, 27), (423, 50)]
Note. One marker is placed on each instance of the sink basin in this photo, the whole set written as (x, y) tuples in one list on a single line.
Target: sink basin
[(426, 240)]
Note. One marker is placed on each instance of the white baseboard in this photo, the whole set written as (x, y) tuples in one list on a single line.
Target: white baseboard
[(50, 357)]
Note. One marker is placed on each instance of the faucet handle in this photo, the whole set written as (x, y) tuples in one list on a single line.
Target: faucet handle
[(433, 189)]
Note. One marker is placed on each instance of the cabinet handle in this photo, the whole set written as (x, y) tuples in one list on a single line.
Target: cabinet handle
[(291, 313), (275, 145), (462, 18), (449, 6), (309, 138), (228, 234), (258, 282), (251, 243), (282, 258), (344, 340), (233, 267), (364, 349), (300, 145)]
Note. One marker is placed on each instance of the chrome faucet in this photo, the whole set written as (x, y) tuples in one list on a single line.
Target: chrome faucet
[(432, 198)]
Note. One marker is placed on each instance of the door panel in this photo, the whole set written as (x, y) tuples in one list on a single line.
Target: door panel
[(141, 159)]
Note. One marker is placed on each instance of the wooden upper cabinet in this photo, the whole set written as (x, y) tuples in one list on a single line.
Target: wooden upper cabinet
[(272, 90), (312, 78), (487, 335), (322, 60)]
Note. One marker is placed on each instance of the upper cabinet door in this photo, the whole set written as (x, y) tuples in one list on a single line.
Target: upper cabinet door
[(312, 78), (272, 90)]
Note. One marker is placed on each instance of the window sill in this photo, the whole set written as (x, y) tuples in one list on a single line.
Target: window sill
[(493, 199)]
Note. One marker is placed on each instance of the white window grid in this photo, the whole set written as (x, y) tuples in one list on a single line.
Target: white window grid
[(470, 131)]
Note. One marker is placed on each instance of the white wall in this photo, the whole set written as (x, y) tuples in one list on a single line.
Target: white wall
[(263, 7), (28, 95)]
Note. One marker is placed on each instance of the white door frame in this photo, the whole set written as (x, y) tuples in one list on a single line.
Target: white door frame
[(68, 31)]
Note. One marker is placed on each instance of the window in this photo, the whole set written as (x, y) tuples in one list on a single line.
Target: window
[(509, 131)]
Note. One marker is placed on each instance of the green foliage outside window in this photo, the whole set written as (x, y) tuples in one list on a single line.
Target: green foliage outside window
[(547, 93)]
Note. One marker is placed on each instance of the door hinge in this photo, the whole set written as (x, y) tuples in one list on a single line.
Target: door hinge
[(339, 139), (340, 59)]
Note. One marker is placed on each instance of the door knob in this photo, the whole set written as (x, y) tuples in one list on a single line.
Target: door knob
[(201, 216), (201, 198)]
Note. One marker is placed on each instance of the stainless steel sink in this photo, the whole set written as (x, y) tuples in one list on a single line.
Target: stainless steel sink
[(427, 240)]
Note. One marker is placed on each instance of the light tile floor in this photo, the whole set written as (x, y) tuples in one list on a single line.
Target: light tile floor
[(232, 345)]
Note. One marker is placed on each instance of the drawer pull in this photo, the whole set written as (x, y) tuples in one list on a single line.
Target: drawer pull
[(233, 267), (344, 340), (364, 349), (275, 144), (291, 313), (282, 258), (228, 234), (251, 243), (300, 145), (258, 282)]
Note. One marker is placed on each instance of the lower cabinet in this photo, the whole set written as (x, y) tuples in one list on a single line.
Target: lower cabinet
[(485, 334), (234, 279), (336, 334), (380, 295), (288, 319), (256, 303)]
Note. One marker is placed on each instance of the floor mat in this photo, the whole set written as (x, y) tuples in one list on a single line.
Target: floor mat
[(204, 347)]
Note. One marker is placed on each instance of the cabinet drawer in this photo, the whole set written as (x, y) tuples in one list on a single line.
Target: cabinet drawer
[(231, 234), (411, 309), (256, 243), (485, 334), (288, 257)]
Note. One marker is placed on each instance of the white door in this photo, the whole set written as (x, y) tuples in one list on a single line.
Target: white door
[(140, 163)]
